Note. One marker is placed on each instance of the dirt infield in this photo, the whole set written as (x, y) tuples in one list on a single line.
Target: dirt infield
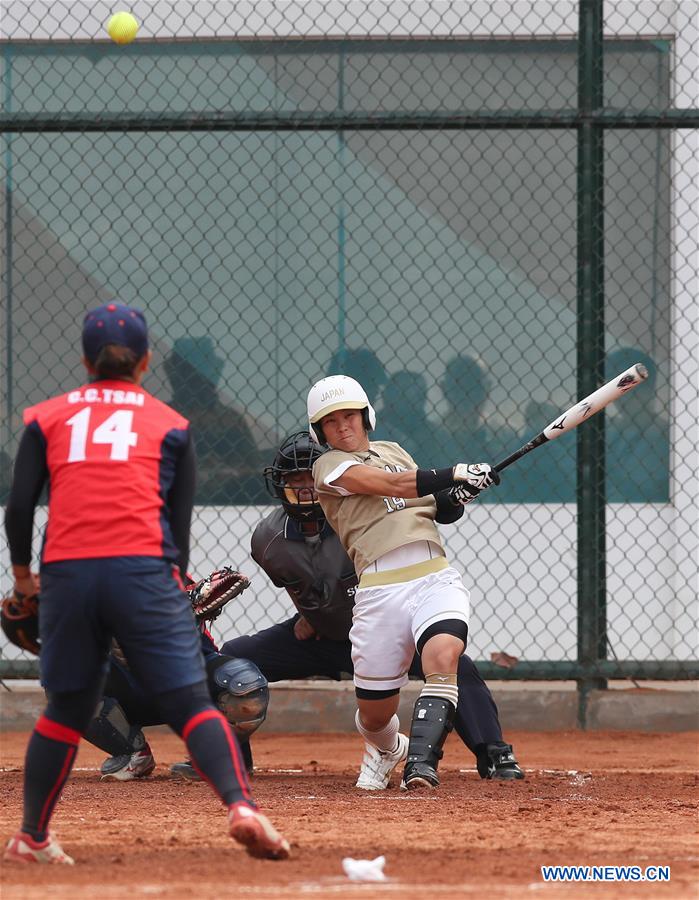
[(589, 799)]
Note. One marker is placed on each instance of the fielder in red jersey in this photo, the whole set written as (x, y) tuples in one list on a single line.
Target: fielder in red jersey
[(120, 471), (122, 446)]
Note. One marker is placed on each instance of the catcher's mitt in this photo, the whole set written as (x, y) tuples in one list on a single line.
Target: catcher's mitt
[(210, 595), (19, 619)]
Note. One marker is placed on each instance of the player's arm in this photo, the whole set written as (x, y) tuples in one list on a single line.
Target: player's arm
[(181, 501), (263, 555), (30, 476), (261, 550), (449, 509), (362, 479)]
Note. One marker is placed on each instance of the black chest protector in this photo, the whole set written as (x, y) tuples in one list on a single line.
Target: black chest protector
[(316, 572)]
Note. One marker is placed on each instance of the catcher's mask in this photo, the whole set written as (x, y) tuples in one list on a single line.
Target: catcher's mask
[(19, 620), (241, 692), (297, 454)]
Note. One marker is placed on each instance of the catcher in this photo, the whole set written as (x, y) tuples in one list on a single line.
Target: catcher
[(237, 687)]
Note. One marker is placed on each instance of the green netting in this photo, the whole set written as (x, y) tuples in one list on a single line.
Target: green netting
[(436, 263)]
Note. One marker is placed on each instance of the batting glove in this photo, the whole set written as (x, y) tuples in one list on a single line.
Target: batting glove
[(473, 479)]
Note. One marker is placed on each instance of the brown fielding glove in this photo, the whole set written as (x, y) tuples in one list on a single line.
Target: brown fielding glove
[(19, 619), (210, 595)]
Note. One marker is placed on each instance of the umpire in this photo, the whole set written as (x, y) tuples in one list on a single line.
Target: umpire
[(120, 469), (300, 552)]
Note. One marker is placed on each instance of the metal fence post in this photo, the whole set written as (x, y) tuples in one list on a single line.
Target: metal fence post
[(8, 406), (592, 612)]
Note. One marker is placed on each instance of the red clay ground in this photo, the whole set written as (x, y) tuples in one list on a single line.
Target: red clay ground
[(589, 799)]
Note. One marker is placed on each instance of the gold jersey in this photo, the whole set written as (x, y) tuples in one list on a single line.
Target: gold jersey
[(370, 526)]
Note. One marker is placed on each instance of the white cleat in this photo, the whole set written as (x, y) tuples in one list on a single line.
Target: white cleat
[(377, 765), (127, 768), (22, 848)]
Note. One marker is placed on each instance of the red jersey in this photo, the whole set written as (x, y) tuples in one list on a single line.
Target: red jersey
[(111, 453)]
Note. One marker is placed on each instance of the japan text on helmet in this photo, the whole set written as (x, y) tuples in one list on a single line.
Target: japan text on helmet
[(297, 453), (337, 392)]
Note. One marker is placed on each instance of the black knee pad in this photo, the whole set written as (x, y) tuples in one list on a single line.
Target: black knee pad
[(433, 719), (367, 694), (455, 627)]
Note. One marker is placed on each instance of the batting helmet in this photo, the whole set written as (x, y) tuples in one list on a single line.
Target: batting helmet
[(297, 453), (337, 392)]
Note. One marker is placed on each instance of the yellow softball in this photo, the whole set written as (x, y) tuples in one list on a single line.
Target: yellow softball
[(122, 28)]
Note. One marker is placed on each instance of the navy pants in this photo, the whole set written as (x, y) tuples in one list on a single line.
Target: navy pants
[(137, 600), (280, 656)]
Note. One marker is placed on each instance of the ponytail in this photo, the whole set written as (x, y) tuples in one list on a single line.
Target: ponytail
[(115, 361)]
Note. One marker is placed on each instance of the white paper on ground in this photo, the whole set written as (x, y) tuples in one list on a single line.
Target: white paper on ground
[(364, 869)]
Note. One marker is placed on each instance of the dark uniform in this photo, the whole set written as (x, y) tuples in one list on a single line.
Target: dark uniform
[(236, 686), (111, 561)]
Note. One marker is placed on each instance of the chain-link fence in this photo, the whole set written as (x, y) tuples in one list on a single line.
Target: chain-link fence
[(481, 210)]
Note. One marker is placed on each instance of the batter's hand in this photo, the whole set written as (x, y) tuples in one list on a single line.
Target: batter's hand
[(303, 630), (473, 479)]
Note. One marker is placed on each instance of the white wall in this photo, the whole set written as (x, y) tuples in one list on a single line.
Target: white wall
[(520, 564)]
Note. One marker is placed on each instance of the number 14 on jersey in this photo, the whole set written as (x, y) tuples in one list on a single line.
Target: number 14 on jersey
[(115, 430)]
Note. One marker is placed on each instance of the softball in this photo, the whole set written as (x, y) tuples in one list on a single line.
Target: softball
[(122, 28)]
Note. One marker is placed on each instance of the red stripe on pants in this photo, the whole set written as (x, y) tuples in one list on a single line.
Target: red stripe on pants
[(50, 801), (198, 719), (56, 732), (233, 748)]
